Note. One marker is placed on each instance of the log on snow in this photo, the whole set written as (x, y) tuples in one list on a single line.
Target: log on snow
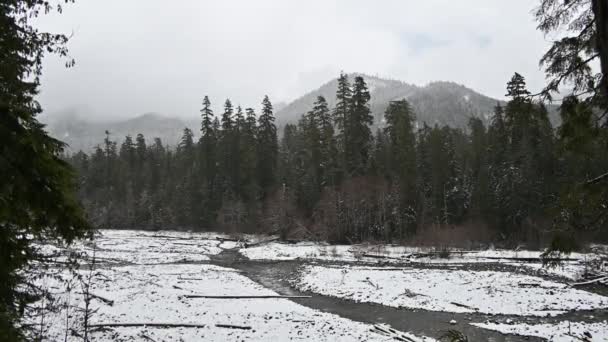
[(244, 297), (376, 256), (230, 326), (149, 324), (529, 259), (227, 239), (592, 281), (247, 245), (464, 306), (105, 300)]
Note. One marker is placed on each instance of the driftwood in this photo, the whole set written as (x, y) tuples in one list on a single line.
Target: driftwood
[(105, 300), (247, 245), (188, 278), (530, 259), (230, 326), (592, 281), (376, 256), (221, 239), (147, 338), (390, 332), (243, 297), (166, 325), (149, 324), (464, 306), (528, 285)]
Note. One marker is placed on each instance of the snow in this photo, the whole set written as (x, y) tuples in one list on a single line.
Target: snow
[(405, 254), (145, 288), (141, 247), (320, 251), (448, 290), (565, 331)]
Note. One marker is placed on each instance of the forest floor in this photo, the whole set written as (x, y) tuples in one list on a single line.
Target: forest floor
[(156, 286)]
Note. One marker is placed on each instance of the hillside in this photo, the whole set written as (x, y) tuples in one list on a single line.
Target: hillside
[(82, 134), (438, 102), (443, 103)]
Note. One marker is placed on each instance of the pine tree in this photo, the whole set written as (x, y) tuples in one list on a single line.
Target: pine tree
[(226, 151), (227, 117), (207, 117), (207, 142), (309, 160), (37, 190), (358, 135), (248, 156), (341, 116), (516, 88), (327, 141), (399, 131), (127, 152), (267, 155)]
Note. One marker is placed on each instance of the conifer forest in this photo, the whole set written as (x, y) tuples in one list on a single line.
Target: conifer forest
[(322, 170), (330, 177)]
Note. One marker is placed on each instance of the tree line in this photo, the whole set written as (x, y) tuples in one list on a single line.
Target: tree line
[(330, 177)]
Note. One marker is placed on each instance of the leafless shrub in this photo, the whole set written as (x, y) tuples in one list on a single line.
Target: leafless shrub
[(454, 336)]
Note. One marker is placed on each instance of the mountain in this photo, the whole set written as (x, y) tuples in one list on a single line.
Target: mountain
[(82, 134), (444, 103)]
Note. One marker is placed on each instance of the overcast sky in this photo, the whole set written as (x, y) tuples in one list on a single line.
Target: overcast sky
[(134, 57)]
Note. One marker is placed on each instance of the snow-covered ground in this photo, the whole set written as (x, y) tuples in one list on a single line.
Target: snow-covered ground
[(562, 332), (449, 290), (323, 251), (144, 288), (388, 254), (140, 247)]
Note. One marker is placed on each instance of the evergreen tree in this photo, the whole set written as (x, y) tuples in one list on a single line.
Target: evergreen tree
[(399, 131), (359, 133), (267, 155), (341, 115), (207, 142), (226, 149), (327, 142), (248, 156), (37, 191)]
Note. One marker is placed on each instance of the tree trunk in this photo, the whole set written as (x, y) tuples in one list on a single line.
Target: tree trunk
[(600, 10)]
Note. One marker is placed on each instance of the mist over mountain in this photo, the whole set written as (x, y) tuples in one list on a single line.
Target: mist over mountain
[(83, 134), (442, 103)]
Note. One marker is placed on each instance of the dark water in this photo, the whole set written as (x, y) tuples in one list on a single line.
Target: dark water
[(275, 275)]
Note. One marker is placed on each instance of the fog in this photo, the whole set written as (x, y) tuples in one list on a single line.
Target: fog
[(134, 57)]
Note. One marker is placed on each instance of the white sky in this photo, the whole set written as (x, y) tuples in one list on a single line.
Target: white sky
[(143, 56)]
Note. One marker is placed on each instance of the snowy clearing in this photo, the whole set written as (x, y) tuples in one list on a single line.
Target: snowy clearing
[(323, 251), (562, 332), (157, 294), (571, 269), (449, 290)]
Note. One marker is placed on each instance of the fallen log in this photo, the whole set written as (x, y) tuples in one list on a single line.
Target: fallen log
[(244, 297), (188, 278), (247, 245), (230, 326), (464, 306), (221, 239), (149, 324), (390, 332), (105, 300), (529, 259), (376, 256), (592, 281), (528, 284)]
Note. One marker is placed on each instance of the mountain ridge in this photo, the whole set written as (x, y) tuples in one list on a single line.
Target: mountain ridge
[(438, 102)]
